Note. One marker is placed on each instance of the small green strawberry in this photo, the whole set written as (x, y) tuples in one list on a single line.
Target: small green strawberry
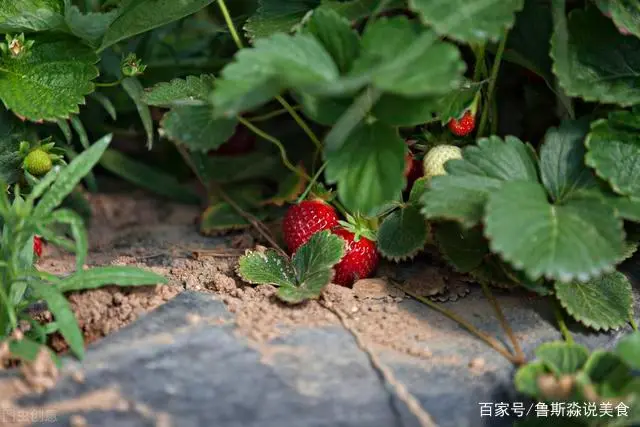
[(38, 162), (436, 158)]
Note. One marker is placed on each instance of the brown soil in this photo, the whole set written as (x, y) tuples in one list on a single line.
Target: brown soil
[(133, 229)]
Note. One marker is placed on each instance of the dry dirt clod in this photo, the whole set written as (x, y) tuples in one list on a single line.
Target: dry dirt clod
[(477, 363), (78, 421)]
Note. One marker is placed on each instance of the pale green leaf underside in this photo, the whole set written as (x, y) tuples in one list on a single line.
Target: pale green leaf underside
[(402, 234), (49, 82), (615, 156), (591, 68), (266, 268), (368, 167), (473, 21), (576, 240), (179, 91), (196, 127), (602, 303)]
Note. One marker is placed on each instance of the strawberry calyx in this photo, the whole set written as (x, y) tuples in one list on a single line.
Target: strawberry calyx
[(360, 226)]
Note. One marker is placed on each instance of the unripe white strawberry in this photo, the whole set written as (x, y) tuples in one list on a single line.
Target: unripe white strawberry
[(436, 158)]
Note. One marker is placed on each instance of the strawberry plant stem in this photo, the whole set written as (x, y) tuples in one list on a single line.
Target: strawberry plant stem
[(238, 41), (277, 143), (519, 354), (110, 84), (313, 181), (479, 68), (562, 325), (270, 115), (492, 84), (633, 323), (489, 340)]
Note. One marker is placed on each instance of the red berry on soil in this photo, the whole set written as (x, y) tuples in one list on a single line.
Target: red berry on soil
[(37, 246), (304, 220), (359, 261), (464, 126)]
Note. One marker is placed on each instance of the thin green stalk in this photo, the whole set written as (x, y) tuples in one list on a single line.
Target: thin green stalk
[(492, 83), (9, 308), (633, 323), (238, 41), (311, 183), (489, 340), (277, 143), (270, 115), (110, 84), (479, 68), (562, 325), (519, 354)]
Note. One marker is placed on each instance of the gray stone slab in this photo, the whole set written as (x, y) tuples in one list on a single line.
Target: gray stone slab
[(206, 375)]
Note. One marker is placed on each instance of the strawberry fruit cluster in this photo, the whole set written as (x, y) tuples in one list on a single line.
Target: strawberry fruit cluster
[(309, 217)]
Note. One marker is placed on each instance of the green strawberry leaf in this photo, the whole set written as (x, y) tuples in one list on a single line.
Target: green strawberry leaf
[(302, 278), (313, 263), (290, 187), (30, 15), (368, 168), (57, 71), (526, 378), (609, 373), (179, 92), (587, 66), (464, 248), (562, 357), (402, 234), (275, 16), (267, 267), (562, 167), (462, 193), (334, 32), (625, 14), (403, 58), (613, 152), (454, 104), (324, 110), (88, 26), (134, 89), (626, 207), (528, 41), (196, 127), (139, 16), (628, 349), (602, 303), (472, 21), (259, 73), (578, 239), (404, 111)]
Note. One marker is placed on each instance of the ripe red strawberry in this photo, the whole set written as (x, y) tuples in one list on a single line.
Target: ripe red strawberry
[(412, 170), (464, 126), (359, 261), (37, 246), (304, 220)]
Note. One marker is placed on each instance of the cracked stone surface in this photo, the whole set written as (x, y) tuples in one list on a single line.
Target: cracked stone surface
[(172, 371)]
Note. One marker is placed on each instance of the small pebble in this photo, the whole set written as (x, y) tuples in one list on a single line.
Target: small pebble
[(78, 376), (78, 421), (477, 363)]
